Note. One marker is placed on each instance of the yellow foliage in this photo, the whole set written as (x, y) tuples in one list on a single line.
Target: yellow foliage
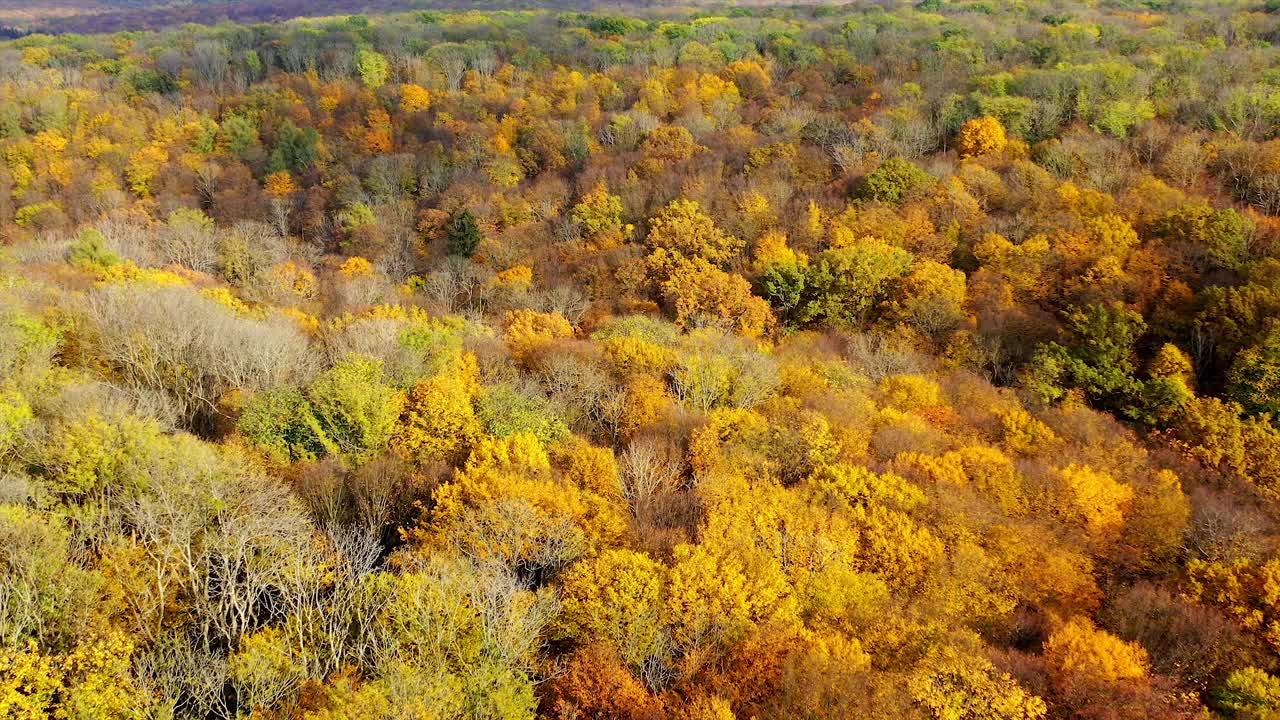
[(724, 426), (517, 452), (356, 267), (683, 229), (941, 469), (911, 392), (1024, 434), (128, 272), (953, 684), (280, 184), (713, 598), (144, 165), (223, 296), (980, 136), (772, 250), (632, 355), (587, 467), (506, 506), (518, 278), (705, 296), (1080, 650), (1248, 591), (414, 98), (528, 331), (1095, 499), (93, 680), (293, 278), (439, 421), (615, 597), (646, 402)]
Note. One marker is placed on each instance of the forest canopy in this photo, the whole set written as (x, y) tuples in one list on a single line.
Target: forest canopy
[(895, 360)]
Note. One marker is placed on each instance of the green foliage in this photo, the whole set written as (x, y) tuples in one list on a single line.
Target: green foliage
[(355, 407), (48, 595), (1248, 693), (1119, 117), (505, 411), (1212, 238), (238, 133), (372, 67), (146, 81), (296, 149), (283, 424), (88, 251), (894, 181), (356, 216), (1100, 360), (462, 233), (1254, 377), (844, 285), (784, 287)]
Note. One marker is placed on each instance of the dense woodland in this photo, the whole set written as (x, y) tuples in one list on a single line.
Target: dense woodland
[(881, 361)]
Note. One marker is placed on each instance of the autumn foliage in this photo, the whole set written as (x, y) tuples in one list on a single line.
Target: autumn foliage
[(910, 360)]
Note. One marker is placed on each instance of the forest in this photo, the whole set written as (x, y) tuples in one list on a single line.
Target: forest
[(903, 360)]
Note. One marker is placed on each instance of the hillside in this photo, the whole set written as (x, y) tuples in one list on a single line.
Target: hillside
[(883, 360)]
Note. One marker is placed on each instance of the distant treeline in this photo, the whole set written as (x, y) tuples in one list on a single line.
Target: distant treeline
[(259, 11)]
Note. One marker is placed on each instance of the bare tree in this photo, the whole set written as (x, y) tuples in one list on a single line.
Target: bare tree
[(191, 349), (648, 467)]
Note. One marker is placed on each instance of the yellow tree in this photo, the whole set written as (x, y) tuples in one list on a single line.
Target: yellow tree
[(616, 598), (439, 420), (1080, 651), (414, 98), (702, 295), (980, 136)]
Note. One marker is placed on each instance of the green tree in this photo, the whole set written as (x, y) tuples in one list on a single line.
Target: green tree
[(1254, 377), (283, 423), (462, 233), (844, 284), (894, 181), (296, 149), (356, 407), (372, 67)]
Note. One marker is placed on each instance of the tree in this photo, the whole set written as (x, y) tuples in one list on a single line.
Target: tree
[(414, 98), (296, 148), (844, 285), (1248, 693), (682, 231), (529, 331), (1095, 498), (980, 136), (280, 184), (895, 181), (1083, 653), (355, 407), (705, 296), (47, 595), (283, 423), (599, 213), (181, 352), (1099, 360), (372, 68), (666, 146), (931, 297), (616, 599), (462, 233), (439, 420), (1254, 377), (955, 685)]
